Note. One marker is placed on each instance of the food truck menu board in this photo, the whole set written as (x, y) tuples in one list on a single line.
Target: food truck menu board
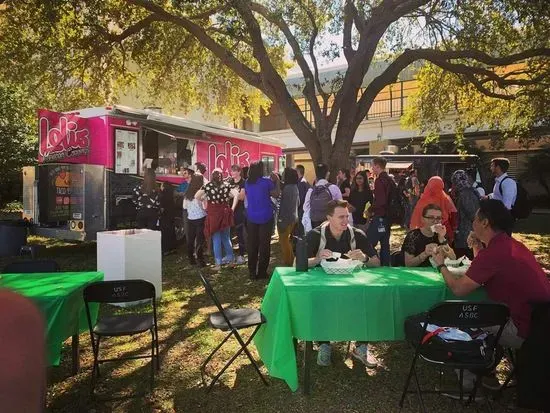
[(126, 153), (60, 192)]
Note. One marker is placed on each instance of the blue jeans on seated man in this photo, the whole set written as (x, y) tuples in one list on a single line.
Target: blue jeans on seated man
[(219, 239), (379, 231)]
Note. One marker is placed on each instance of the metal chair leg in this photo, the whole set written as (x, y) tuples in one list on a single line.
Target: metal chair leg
[(247, 352), (419, 392), (205, 363), (408, 382), (308, 349), (157, 347), (152, 359)]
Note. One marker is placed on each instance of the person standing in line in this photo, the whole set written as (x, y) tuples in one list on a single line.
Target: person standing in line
[(467, 204), (186, 174), (379, 227), (259, 191), (237, 182), (219, 218), (359, 197), (303, 187), (344, 183), (288, 214), (167, 218), (505, 189), (196, 215), (318, 197), (146, 199)]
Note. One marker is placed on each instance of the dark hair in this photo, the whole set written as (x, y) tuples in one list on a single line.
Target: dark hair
[(201, 167), (380, 161), (363, 175), (493, 210), (244, 172), (430, 207), (336, 203), (301, 169), (196, 183), (321, 171), (347, 173), (216, 177), (290, 175), (167, 187), (149, 184), (255, 172), (236, 168), (502, 163)]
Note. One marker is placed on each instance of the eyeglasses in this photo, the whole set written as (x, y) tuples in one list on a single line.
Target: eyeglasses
[(432, 218)]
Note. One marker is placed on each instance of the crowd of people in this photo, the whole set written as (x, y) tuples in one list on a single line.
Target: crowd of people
[(354, 217)]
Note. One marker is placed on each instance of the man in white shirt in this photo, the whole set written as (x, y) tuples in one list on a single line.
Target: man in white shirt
[(311, 217), (505, 189)]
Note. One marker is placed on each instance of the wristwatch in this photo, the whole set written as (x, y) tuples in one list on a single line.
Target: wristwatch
[(441, 266)]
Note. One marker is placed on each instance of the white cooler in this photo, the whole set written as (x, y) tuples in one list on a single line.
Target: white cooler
[(131, 254)]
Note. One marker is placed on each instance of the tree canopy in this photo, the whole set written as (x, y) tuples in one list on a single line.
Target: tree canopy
[(232, 55)]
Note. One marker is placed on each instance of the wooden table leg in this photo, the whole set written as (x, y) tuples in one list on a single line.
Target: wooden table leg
[(308, 349), (75, 354)]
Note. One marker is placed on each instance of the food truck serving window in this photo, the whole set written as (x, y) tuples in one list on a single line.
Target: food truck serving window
[(269, 164), (169, 153), (126, 154)]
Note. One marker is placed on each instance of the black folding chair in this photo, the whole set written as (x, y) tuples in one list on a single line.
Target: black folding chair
[(462, 315), (127, 324), (30, 266), (231, 320)]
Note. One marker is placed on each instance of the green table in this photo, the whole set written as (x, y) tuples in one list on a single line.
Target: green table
[(59, 297), (368, 305)]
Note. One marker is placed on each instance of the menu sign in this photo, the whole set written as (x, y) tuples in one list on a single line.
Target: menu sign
[(126, 151)]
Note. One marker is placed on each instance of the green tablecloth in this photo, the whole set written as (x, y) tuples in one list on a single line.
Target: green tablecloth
[(368, 305), (59, 297)]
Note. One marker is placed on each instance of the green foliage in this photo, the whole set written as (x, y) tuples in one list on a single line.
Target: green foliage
[(18, 140), (444, 101)]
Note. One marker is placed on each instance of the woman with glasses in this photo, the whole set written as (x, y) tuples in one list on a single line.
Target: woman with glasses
[(434, 194), (422, 243)]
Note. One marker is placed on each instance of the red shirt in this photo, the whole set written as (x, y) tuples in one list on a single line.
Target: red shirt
[(381, 194), (511, 275)]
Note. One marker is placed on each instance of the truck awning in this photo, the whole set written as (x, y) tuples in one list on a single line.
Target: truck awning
[(398, 165)]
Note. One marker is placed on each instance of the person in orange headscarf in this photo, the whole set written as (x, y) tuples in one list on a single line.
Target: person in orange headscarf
[(434, 193)]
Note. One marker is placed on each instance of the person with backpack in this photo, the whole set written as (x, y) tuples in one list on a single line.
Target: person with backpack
[(514, 196), (337, 235), (380, 222), (318, 197)]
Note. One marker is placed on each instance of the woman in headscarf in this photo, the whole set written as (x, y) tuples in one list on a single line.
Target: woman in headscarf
[(467, 203), (434, 193), (219, 218)]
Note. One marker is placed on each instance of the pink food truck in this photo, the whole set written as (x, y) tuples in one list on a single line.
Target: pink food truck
[(90, 161)]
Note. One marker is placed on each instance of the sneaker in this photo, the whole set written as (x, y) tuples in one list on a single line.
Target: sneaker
[(361, 353), (217, 268), (491, 383), (227, 260), (323, 355), (240, 260)]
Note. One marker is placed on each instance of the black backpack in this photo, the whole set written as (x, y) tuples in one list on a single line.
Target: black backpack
[(395, 210), (522, 207), (318, 201)]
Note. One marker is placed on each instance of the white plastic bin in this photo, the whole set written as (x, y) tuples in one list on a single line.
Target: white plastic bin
[(131, 254)]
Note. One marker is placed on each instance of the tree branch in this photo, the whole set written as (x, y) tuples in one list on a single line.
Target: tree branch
[(227, 58), (309, 89), (348, 26), (130, 31)]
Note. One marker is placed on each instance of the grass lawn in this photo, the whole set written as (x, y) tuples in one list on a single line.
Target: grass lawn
[(186, 339)]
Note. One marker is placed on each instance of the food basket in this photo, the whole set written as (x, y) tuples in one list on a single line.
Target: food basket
[(457, 267), (340, 266)]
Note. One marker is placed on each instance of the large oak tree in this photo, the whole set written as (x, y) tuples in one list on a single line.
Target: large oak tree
[(225, 55)]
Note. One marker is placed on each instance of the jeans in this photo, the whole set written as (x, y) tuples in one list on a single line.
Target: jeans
[(379, 231), (195, 238), (219, 239), (286, 245), (259, 248)]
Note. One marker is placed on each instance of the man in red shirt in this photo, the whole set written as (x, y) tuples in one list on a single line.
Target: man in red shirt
[(379, 224), (505, 267)]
